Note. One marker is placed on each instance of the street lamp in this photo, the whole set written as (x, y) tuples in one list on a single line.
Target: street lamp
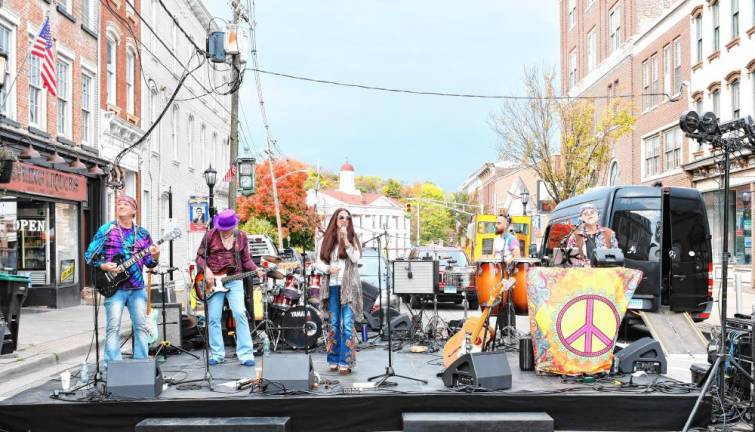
[(210, 176), (525, 197)]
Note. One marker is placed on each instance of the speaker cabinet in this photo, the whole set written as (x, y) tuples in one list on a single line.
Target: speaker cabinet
[(173, 323), (488, 370), (140, 379), (282, 373), (420, 277)]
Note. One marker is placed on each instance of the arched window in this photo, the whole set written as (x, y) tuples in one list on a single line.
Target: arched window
[(190, 140), (613, 173), (111, 55), (174, 132)]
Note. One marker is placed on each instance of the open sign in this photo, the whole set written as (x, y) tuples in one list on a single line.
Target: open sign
[(35, 225)]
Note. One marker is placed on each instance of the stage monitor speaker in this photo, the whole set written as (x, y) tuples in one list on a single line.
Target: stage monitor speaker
[(418, 277), (140, 379), (173, 323), (489, 370), (373, 318), (282, 373), (642, 355)]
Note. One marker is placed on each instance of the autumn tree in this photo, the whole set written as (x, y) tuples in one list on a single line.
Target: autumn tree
[(530, 131), (297, 220), (368, 184), (436, 221), (392, 188)]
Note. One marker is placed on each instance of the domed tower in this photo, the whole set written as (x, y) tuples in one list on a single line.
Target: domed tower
[(346, 182)]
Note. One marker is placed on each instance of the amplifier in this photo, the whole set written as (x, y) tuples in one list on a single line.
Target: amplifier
[(417, 277), (489, 370)]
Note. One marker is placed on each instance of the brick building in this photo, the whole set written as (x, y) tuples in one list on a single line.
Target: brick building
[(633, 47), (120, 83), (53, 202)]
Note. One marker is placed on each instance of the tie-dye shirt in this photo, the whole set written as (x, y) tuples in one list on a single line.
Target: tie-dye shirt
[(111, 240)]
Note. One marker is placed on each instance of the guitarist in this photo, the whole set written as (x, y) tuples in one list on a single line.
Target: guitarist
[(123, 237), (227, 249)]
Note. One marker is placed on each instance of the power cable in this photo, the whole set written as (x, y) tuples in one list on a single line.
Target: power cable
[(177, 24), (272, 143)]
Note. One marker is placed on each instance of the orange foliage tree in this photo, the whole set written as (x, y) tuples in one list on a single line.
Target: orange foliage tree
[(297, 220)]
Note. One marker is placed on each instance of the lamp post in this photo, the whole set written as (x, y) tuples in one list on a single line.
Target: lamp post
[(210, 176), (525, 197)]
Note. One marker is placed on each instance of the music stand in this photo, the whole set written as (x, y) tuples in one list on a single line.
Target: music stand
[(165, 344), (389, 371)]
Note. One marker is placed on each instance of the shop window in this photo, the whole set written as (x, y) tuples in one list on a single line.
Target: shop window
[(8, 235), (67, 243), (33, 234)]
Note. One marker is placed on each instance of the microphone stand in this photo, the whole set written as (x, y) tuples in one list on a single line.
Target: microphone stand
[(164, 342), (389, 372), (380, 285)]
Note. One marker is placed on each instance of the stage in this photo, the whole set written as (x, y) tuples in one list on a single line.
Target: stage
[(653, 403)]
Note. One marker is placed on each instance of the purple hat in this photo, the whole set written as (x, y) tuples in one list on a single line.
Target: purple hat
[(226, 220)]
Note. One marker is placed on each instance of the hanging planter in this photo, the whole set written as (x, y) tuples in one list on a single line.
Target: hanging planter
[(6, 165)]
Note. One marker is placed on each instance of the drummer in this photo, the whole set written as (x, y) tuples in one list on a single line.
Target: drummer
[(505, 245)]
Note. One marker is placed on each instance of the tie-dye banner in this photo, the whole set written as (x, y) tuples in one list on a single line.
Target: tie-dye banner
[(575, 315)]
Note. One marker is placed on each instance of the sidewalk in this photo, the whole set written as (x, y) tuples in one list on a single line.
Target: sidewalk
[(50, 337)]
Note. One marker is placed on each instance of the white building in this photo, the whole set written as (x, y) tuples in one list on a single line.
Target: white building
[(194, 132), (371, 213)]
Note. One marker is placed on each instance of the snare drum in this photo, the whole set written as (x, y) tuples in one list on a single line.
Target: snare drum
[(488, 275), (291, 287), (313, 290), (519, 292), (281, 302)]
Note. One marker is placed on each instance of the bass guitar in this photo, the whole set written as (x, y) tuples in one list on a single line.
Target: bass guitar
[(107, 283), (203, 291), (477, 327)]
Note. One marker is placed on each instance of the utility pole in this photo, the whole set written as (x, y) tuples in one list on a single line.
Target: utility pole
[(275, 194), (234, 151)]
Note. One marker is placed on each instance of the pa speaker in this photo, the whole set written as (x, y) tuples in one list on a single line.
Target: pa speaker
[(489, 370), (282, 373), (139, 379), (642, 355)]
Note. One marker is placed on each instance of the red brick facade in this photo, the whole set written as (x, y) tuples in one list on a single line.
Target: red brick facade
[(120, 24)]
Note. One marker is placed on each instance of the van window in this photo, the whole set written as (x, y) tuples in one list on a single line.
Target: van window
[(637, 224), (689, 233)]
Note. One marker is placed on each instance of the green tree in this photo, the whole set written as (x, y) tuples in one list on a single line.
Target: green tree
[(259, 225), (529, 132), (328, 180), (368, 184), (463, 203), (392, 188), (436, 222)]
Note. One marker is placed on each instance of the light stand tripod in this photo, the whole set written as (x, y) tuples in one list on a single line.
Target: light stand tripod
[(389, 372), (165, 344), (707, 129)]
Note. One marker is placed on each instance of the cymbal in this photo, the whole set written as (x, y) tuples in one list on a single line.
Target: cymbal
[(275, 274), (272, 259)]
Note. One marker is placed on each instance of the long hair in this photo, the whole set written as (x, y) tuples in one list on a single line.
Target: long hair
[(330, 238)]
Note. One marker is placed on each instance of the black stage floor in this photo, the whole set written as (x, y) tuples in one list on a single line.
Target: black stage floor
[(604, 405)]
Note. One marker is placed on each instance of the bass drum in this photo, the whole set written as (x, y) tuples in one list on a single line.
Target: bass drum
[(302, 327)]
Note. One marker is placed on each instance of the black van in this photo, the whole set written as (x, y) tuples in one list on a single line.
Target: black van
[(662, 231)]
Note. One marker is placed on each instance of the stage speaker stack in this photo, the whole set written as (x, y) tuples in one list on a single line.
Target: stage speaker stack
[(283, 373), (642, 355), (489, 370), (173, 323), (138, 379)]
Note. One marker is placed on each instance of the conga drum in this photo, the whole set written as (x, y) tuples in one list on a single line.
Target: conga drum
[(519, 292), (489, 274)]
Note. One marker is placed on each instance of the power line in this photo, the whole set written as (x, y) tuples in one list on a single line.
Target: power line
[(445, 94), (252, 29)]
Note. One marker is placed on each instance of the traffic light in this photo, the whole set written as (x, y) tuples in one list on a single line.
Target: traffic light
[(408, 207), (246, 175)]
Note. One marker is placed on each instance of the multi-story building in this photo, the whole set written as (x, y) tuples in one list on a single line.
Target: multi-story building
[(120, 83), (194, 132), (371, 213), (636, 51), (723, 81), (53, 202)]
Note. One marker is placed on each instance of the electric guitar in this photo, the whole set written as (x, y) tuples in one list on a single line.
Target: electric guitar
[(203, 291), (107, 283), (475, 326)]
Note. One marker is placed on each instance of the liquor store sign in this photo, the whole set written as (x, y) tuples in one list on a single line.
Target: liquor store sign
[(38, 180)]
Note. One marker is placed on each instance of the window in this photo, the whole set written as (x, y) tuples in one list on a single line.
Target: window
[(155, 137), (173, 42), (190, 140), (716, 28), (590, 3), (202, 142), (67, 242), (214, 151), (36, 97), (699, 38), (64, 99), (572, 13), (699, 105), (110, 73), (613, 174), (735, 99), (573, 68), (654, 87), (592, 50), (130, 88), (672, 148), (667, 60), (174, 132), (614, 29), (67, 5), (716, 97), (6, 45), (652, 157), (86, 109), (650, 82), (734, 18), (153, 19), (89, 14), (677, 65)]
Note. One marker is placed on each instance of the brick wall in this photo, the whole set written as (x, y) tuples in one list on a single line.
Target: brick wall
[(118, 22)]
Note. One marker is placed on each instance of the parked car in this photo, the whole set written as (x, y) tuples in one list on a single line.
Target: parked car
[(368, 273), (450, 259), (259, 245), (662, 231)]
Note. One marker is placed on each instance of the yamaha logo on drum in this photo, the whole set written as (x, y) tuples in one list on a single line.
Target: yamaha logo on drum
[(297, 314)]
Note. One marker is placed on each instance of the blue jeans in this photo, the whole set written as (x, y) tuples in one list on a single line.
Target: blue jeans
[(136, 301), (341, 341), (243, 337)]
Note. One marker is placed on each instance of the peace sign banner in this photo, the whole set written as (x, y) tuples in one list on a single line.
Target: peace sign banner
[(575, 315)]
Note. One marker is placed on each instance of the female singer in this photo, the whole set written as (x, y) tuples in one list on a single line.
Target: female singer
[(341, 295)]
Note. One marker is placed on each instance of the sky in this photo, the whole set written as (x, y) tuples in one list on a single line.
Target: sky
[(475, 46)]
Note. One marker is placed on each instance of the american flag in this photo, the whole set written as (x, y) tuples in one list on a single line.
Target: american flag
[(42, 48), (230, 174)]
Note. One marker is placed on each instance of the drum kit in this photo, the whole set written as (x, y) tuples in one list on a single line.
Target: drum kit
[(286, 306)]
